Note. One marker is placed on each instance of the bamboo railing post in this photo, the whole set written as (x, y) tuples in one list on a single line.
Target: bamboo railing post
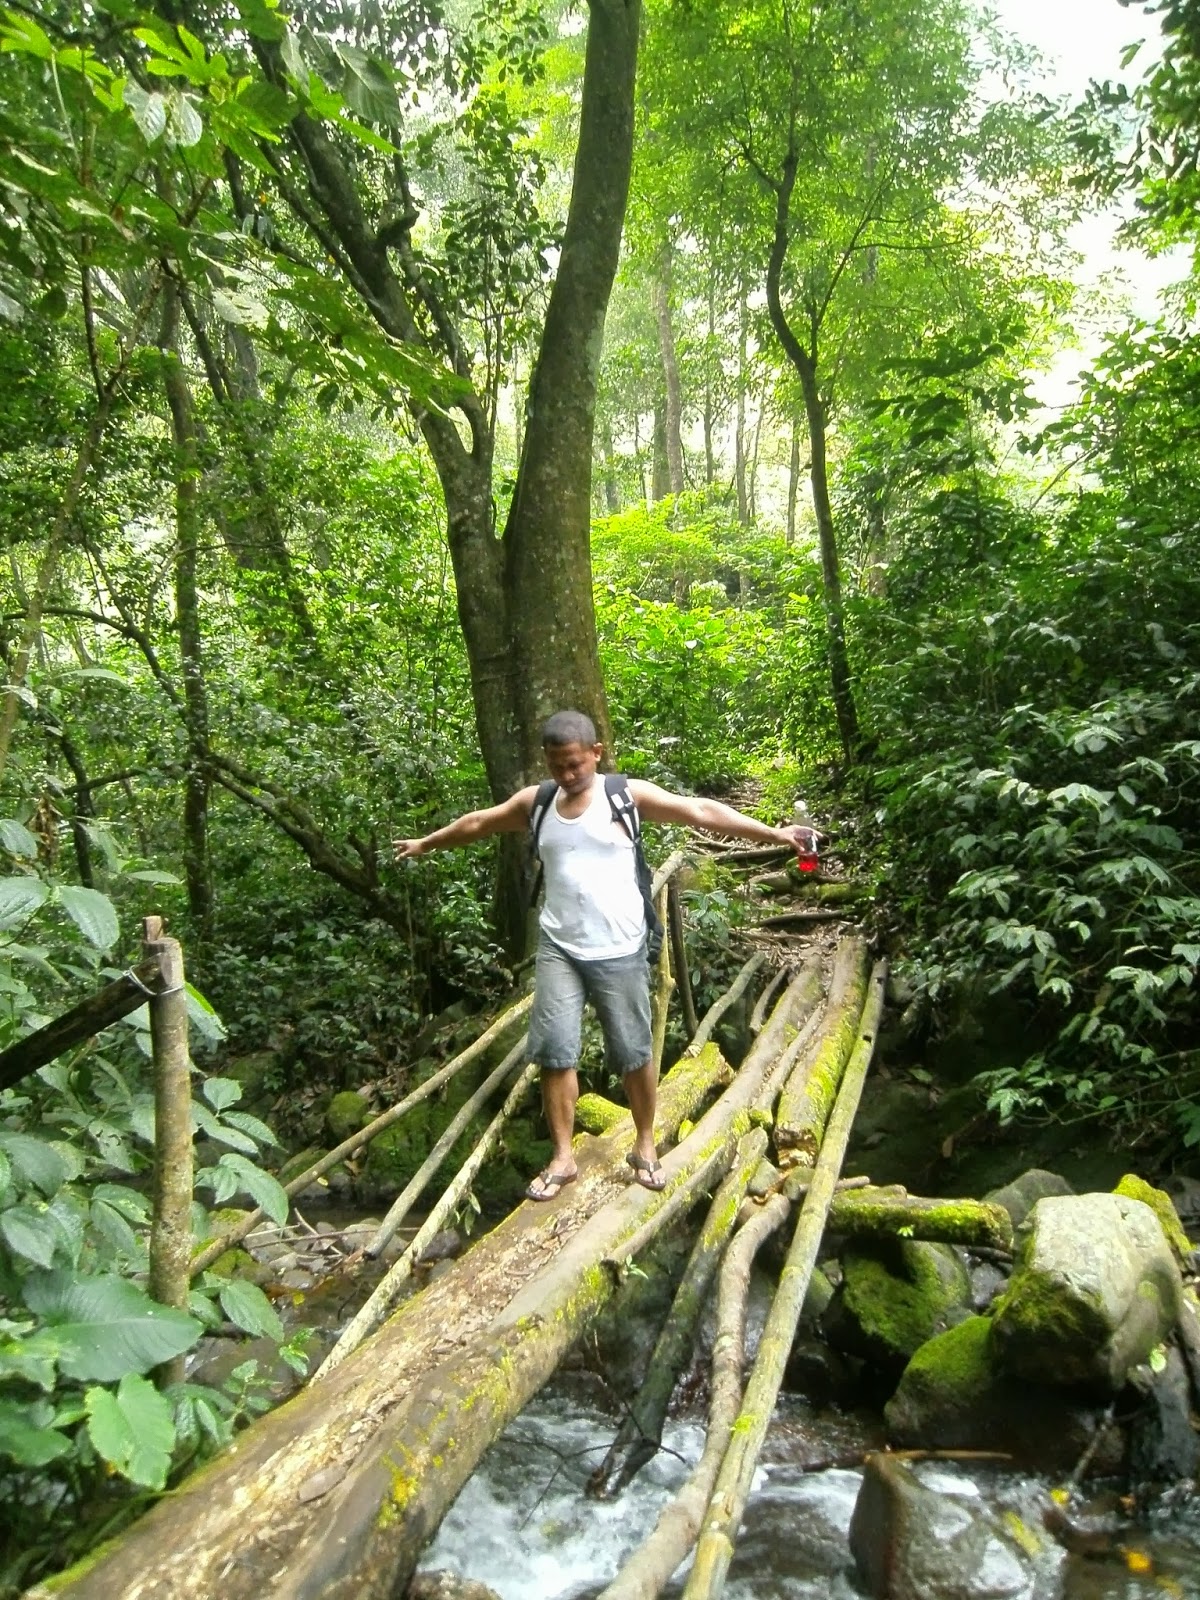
[(714, 1552), (171, 1224), (660, 1000), (683, 976)]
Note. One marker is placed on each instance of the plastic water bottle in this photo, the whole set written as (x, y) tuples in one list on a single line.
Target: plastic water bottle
[(806, 851)]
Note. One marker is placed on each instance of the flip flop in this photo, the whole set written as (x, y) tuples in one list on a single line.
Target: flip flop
[(551, 1183), (649, 1174)]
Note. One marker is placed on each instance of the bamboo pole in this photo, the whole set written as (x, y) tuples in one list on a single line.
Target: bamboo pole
[(648, 1570), (660, 1000), (720, 1006), (683, 976), (234, 1235), (714, 1551), (420, 1179), (387, 1291), (171, 1217), (759, 1013), (807, 1097), (640, 1433)]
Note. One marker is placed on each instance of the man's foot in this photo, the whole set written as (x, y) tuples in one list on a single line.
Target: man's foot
[(547, 1184), (649, 1174)]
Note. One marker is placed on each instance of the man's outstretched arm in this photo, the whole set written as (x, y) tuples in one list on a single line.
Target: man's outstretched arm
[(660, 805), (511, 816)]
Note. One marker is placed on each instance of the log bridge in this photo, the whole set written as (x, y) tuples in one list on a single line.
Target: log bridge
[(335, 1493)]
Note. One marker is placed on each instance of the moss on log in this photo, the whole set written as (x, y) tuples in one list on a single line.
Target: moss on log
[(809, 1093), (595, 1114), (894, 1213)]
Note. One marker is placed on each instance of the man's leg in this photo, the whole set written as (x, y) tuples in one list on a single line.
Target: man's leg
[(620, 992), (641, 1090), (560, 1091), (554, 1029)]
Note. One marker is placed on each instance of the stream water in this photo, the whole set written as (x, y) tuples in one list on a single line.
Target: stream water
[(523, 1525)]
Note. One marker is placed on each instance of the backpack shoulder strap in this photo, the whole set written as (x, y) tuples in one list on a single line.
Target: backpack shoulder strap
[(622, 804), (542, 801)]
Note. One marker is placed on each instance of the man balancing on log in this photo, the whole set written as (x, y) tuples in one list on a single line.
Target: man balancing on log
[(597, 922)]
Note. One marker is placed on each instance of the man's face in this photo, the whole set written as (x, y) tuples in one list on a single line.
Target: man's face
[(573, 766)]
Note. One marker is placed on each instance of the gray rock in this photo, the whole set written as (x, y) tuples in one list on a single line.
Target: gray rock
[(913, 1542), (444, 1246), (448, 1586), (1095, 1289), (1163, 1447), (1021, 1195), (987, 1280), (820, 1374)]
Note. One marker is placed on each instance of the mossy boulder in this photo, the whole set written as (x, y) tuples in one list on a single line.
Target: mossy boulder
[(1094, 1290), (261, 1074), (894, 1296), (953, 1396), (1135, 1188), (346, 1114), (396, 1153), (1021, 1195), (300, 1162)]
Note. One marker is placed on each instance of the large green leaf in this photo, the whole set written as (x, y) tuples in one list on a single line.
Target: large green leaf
[(25, 1439), (105, 1326), (134, 1430), (19, 898), (92, 913), (221, 1093), (249, 1309), (30, 1234), (17, 839), (35, 1161), (262, 1188)]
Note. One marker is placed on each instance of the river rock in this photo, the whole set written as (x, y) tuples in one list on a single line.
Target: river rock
[(896, 1294), (1094, 1290), (345, 1114), (448, 1586), (1163, 1447), (952, 1396), (912, 1542), (1021, 1195)]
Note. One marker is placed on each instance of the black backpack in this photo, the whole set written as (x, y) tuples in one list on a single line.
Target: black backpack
[(625, 812)]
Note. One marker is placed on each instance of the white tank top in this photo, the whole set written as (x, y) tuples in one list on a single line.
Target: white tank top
[(593, 907)]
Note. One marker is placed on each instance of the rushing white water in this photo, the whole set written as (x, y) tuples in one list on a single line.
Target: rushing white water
[(523, 1525)]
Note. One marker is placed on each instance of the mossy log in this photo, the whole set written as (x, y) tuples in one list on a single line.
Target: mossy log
[(596, 1114), (336, 1493), (893, 1212), (728, 1501), (813, 891), (648, 1570), (640, 1433), (809, 1093)]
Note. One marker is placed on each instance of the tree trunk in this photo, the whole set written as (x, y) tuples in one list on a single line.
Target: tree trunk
[(894, 1213), (793, 482), (612, 493), (805, 363), (805, 1103), (710, 465), (660, 475), (673, 419), (739, 436), (196, 780)]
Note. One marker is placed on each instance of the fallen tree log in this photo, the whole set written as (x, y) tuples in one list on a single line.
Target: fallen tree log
[(648, 1570), (720, 1006), (724, 1514), (808, 1096), (334, 1494), (894, 1213)]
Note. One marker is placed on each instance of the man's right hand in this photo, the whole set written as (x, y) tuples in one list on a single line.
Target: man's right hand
[(407, 849)]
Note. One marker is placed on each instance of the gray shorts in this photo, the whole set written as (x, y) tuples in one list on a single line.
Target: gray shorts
[(620, 993)]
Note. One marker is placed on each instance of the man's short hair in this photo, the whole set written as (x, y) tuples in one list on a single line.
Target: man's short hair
[(568, 727)]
